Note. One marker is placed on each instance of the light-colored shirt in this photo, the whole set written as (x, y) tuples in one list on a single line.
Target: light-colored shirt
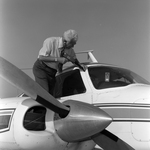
[(52, 47)]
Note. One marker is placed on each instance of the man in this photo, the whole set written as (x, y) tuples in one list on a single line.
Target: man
[(50, 58)]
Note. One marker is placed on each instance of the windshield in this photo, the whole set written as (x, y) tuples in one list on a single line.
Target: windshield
[(135, 77), (106, 77)]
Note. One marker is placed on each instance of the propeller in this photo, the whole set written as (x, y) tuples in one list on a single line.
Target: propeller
[(80, 120), (75, 114)]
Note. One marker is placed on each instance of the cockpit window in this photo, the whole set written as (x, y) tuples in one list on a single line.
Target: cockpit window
[(5, 119), (108, 77), (35, 119), (69, 83)]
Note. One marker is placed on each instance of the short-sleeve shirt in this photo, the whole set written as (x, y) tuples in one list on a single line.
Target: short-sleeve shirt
[(52, 47)]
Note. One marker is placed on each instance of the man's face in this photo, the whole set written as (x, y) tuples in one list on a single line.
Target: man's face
[(70, 44)]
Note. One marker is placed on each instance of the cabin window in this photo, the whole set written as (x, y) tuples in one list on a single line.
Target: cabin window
[(5, 119), (109, 77), (35, 119), (69, 83)]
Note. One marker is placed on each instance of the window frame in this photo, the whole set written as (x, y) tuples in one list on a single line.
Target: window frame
[(7, 112), (62, 77), (32, 113), (102, 78)]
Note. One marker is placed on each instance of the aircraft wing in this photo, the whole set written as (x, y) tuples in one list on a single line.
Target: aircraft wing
[(77, 121)]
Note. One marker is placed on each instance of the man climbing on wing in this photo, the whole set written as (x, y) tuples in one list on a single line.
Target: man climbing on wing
[(55, 52)]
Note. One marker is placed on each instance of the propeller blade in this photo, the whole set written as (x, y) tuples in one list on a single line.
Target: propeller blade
[(107, 141), (22, 81)]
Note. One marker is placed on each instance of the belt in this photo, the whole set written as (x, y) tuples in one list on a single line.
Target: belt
[(41, 62)]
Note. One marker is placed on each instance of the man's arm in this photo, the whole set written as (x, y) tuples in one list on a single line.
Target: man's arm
[(74, 61), (47, 49), (61, 60)]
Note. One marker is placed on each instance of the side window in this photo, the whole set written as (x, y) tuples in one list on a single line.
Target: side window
[(69, 83), (35, 119), (5, 119), (107, 77)]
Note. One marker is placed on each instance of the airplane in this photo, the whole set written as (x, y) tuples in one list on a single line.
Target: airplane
[(103, 107)]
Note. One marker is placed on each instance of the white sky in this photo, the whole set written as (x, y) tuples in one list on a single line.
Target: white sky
[(117, 30)]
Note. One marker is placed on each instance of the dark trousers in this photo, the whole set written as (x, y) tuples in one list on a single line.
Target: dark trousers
[(44, 75)]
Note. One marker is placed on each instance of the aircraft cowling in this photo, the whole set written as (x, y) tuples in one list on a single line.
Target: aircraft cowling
[(83, 121)]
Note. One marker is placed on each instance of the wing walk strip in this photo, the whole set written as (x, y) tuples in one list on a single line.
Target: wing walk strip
[(127, 112)]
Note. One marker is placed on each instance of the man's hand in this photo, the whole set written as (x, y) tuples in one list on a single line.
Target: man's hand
[(84, 67), (74, 61), (69, 58)]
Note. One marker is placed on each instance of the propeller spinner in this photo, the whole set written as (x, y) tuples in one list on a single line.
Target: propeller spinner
[(83, 121)]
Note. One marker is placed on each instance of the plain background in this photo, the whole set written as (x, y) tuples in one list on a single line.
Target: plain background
[(117, 30)]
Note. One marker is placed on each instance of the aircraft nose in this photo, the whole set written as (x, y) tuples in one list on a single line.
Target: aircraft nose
[(83, 121)]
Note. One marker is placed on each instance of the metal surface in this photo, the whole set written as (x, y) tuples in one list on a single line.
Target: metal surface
[(83, 121)]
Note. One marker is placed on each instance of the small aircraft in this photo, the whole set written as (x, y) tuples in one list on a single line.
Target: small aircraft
[(103, 107)]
